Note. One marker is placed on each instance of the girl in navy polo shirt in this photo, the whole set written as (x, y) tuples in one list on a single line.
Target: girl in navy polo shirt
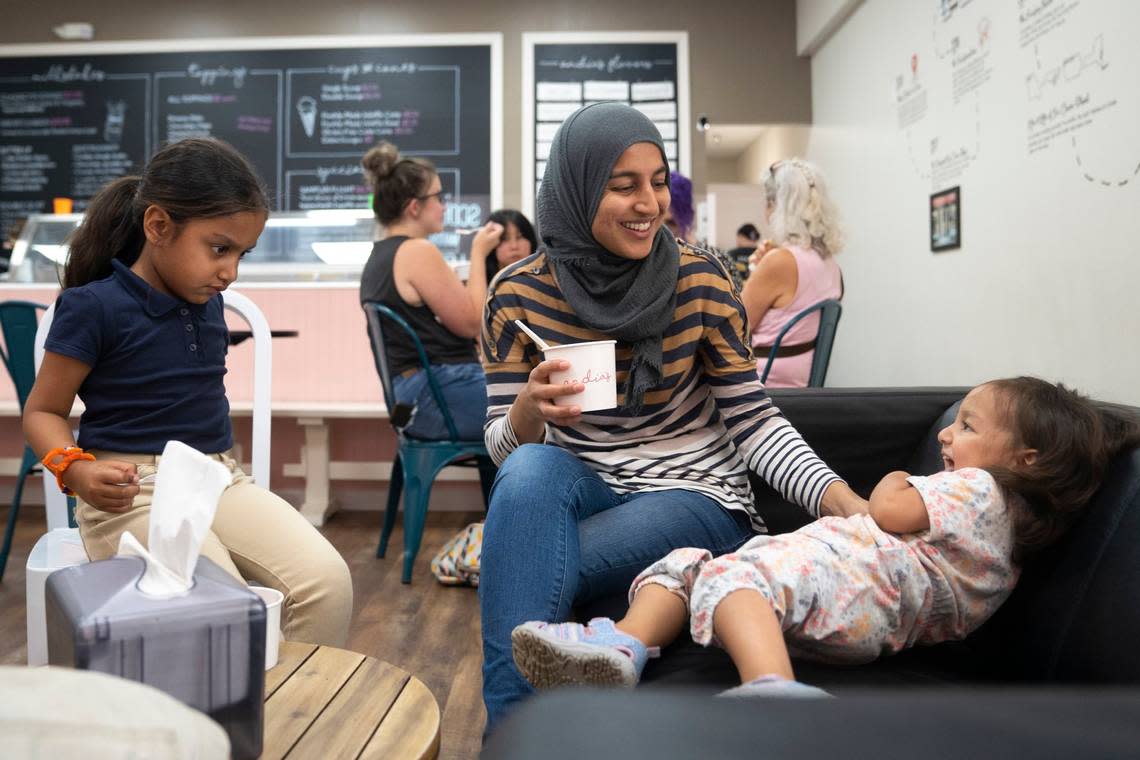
[(139, 335)]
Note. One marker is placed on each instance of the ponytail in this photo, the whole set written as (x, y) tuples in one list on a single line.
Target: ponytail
[(111, 229), (195, 178)]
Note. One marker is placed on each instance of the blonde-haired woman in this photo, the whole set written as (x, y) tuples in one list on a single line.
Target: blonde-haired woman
[(407, 273), (794, 269)]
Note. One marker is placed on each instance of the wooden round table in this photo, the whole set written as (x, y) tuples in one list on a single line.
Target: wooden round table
[(324, 702)]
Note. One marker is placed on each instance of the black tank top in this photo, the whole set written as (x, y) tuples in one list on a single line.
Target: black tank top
[(442, 345)]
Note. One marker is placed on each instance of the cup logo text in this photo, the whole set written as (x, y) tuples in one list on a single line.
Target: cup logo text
[(591, 376)]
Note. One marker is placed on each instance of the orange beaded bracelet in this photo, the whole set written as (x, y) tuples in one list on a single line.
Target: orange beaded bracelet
[(58, 460)]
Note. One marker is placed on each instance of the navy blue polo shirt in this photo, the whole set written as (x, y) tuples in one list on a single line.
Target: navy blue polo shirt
[(157, 365)]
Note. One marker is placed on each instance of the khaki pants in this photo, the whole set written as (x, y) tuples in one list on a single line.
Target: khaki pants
[(257, 536)]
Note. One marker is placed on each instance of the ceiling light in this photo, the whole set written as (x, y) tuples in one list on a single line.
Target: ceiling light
[(75, 30)]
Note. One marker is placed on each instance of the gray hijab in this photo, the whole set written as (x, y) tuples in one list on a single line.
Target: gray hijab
[(632, 301)]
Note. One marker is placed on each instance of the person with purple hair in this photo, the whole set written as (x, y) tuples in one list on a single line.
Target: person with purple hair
[(679, 221), (679, 217)]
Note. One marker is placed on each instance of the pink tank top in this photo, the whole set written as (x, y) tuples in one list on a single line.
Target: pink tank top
[(819, 279)]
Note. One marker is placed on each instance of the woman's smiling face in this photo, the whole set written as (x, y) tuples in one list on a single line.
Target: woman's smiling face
[(634, 203)]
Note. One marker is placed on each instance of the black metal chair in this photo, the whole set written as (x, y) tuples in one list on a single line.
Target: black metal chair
[(19, 320), (830, 310), (417, 461)]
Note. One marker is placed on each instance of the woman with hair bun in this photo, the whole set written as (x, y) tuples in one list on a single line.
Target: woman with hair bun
[(408, 274), (793, 269)]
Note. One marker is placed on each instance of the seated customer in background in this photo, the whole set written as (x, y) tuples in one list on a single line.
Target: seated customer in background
[(679, 215), (517, 242), (407, 273), (679, 220), (747, 237), (793, 270), (747, 240), (932, 559)]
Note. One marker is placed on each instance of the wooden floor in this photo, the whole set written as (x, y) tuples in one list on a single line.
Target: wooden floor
[(425, 628)]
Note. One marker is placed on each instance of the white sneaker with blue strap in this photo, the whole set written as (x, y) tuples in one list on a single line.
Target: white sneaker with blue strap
[(560, 654)]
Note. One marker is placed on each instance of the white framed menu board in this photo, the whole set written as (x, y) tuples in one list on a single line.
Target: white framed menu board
[(563, 71)]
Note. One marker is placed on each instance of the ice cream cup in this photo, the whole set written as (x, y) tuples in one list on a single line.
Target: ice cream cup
[(273, 600), (591, 364)]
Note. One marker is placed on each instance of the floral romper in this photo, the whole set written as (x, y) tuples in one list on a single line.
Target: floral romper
[(846, 591)]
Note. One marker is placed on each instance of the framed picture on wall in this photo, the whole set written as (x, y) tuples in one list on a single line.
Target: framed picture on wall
[(946, 220)]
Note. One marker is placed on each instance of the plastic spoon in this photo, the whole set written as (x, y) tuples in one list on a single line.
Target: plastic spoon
[(143, 480), (537, 340)]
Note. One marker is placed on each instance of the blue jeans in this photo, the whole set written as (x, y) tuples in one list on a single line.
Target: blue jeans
[(557, 535), (464, 389)]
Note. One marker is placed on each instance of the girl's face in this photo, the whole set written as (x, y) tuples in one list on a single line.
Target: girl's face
[(633, 204), (197, 260), (979, 436), (514, 247)]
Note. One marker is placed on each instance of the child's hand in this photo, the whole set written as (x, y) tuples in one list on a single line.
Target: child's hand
[(107, 485)]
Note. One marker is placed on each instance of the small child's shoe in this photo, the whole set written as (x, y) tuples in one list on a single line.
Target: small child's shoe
[(558, 654), (774, 686)]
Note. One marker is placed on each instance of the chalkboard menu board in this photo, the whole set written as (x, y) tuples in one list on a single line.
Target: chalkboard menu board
[(563, 72), (74, 117)]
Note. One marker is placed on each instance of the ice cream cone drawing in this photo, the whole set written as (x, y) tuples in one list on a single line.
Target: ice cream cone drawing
[(113, 125), (307, 108)]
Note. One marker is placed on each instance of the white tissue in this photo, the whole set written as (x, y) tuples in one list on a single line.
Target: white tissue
[(186, 493)]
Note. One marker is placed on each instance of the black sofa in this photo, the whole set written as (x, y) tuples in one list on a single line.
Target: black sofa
[(1073, 622)]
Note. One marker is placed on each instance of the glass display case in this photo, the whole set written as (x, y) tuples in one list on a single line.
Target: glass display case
[(296, 246)]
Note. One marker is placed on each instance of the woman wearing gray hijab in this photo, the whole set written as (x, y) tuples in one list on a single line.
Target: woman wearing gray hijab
[(614, 490)]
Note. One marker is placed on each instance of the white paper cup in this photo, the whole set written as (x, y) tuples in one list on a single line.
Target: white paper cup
[(273, 600), (591, 364)]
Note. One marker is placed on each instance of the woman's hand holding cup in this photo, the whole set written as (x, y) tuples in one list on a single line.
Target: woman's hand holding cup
[(534, 406)]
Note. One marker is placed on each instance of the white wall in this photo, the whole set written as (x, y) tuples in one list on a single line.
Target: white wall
[(777, 142), (817, 20), (1046, 279), (736, 204)]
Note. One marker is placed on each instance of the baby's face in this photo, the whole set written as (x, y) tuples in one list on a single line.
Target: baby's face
[(978, 437)]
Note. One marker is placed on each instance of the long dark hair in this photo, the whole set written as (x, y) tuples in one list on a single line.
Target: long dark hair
[(1076, 441), (395, 181), (195, 178), (505, 216)]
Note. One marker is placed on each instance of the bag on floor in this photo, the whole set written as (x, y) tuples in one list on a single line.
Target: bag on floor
[(457, 563)]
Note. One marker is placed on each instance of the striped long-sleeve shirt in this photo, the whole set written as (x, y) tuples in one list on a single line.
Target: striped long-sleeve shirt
[(700, 429)]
